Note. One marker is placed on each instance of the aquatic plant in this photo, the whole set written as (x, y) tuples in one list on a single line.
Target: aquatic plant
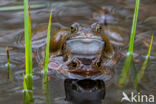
[(125, 71), (27, 97), (27, 81), (46, 59), (21, 7), (8, 64), (142, 70), (46, 92), (28, 45)]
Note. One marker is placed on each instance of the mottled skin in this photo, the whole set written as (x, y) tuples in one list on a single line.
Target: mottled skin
[(86, 50)]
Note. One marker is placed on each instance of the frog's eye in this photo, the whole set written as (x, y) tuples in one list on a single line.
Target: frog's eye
[(98, 63), (74, 27), (75, 63), (98, 28)]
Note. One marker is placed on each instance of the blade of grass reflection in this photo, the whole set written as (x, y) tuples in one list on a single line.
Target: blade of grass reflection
[(26, 94), (125, 70), (46, 92), (134, 69), (142, 70)]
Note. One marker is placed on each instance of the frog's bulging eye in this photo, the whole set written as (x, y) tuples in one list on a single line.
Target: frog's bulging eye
[(74, 27), (98, 28), (75, 63), (98, 63)]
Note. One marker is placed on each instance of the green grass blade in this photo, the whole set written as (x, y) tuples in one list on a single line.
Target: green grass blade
[(28, 46), (26, 33), (30, 42), (21, 7), (46, 59), (127, 63), (131, 43), (28, 82), (142, 70)]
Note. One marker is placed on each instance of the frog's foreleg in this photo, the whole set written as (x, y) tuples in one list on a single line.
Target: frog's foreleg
[(108, 51)]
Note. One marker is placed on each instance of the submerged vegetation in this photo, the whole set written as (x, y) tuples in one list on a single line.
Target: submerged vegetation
[(27, 95)]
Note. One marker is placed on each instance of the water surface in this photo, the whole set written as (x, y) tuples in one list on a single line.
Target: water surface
[(65, 13)]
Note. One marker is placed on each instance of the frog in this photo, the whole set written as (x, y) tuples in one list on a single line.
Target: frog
[(82, 51)]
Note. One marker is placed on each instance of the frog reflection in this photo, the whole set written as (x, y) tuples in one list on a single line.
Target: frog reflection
[(84, 91), (81, 50)]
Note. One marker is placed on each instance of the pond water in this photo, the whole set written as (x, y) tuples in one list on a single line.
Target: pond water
[(120, 15)]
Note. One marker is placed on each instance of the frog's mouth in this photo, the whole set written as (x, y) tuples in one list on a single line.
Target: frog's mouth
[(84, 47)]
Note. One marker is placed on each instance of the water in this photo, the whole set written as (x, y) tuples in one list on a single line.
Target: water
[(65, 13)]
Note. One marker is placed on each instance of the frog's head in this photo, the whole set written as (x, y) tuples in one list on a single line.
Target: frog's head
[(87, 42), (85, 66)]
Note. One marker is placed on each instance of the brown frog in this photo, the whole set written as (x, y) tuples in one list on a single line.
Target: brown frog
[(81, 50)]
